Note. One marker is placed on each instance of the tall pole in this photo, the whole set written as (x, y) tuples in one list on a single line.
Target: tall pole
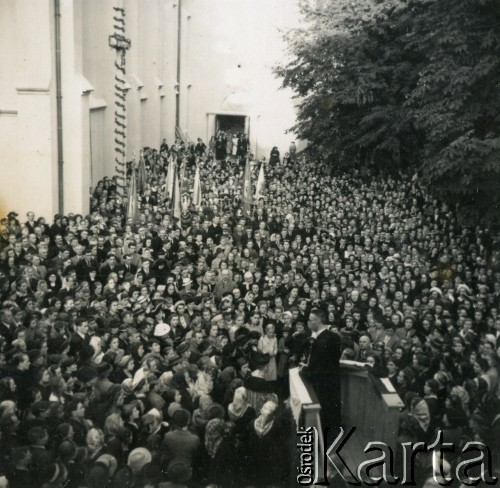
[(178, 81), (60, 153)]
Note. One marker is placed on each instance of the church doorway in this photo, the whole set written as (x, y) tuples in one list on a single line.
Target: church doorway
[(230, 124)]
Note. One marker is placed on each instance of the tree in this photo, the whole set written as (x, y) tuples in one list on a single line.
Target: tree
[(404, 84)]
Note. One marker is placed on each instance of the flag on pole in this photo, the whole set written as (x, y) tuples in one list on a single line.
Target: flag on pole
[(170, 179), (197, 189), (166, 196), (132, 203), (141, 175), (182, 172), (259, 188), (176, 209), (247, 189)]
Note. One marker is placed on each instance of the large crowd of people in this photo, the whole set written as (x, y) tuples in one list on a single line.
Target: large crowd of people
[(147, 351)]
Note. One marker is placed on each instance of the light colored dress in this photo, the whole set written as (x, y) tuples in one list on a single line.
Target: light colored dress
[(269, 346)]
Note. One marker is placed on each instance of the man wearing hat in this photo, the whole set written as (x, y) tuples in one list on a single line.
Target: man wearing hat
[(185, 286)]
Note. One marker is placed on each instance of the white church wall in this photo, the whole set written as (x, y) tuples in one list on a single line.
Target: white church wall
[(27, 101), (232, 46), (227, 51)]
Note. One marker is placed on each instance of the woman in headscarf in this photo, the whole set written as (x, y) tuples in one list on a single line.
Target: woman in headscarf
[(265, 445), (222, 458), (421, 429), (201, 415), (460, 393), (240, 412)]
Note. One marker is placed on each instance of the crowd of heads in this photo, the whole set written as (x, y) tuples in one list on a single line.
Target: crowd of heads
[(126, 343)]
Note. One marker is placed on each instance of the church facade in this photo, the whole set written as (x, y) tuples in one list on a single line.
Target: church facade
[(194, 66)]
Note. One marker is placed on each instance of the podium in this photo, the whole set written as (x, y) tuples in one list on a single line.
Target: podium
[(369, 404)]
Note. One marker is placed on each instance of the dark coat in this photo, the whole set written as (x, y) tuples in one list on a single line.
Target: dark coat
[(77, 343), (323, 373), (265, 460), (224, 467)]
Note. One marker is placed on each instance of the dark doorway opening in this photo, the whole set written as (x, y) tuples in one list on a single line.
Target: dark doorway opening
[(230, 124)]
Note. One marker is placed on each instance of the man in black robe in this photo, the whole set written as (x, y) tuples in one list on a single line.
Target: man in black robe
[(323, 372)]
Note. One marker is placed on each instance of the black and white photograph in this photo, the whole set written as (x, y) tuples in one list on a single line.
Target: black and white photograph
[(249, 243)]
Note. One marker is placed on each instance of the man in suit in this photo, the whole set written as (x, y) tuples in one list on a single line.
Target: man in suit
[(85, 265), (159, 240), (405, 332), (7, 327), (146, 271), (30, 223), (39, 270), (108, 267), (78, 256), (148, 198), (136, 257), (246, 286), (80, 337), (238, 235), (365, 348), (128, 265), (223, 284), (323, 372)]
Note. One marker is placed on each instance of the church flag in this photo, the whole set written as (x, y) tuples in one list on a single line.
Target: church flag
[(182, 170), (166, 196), (133, 203), (259, 188), (176, 208), (247, 189), (170, 179), (141, 175), (197, 189)]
